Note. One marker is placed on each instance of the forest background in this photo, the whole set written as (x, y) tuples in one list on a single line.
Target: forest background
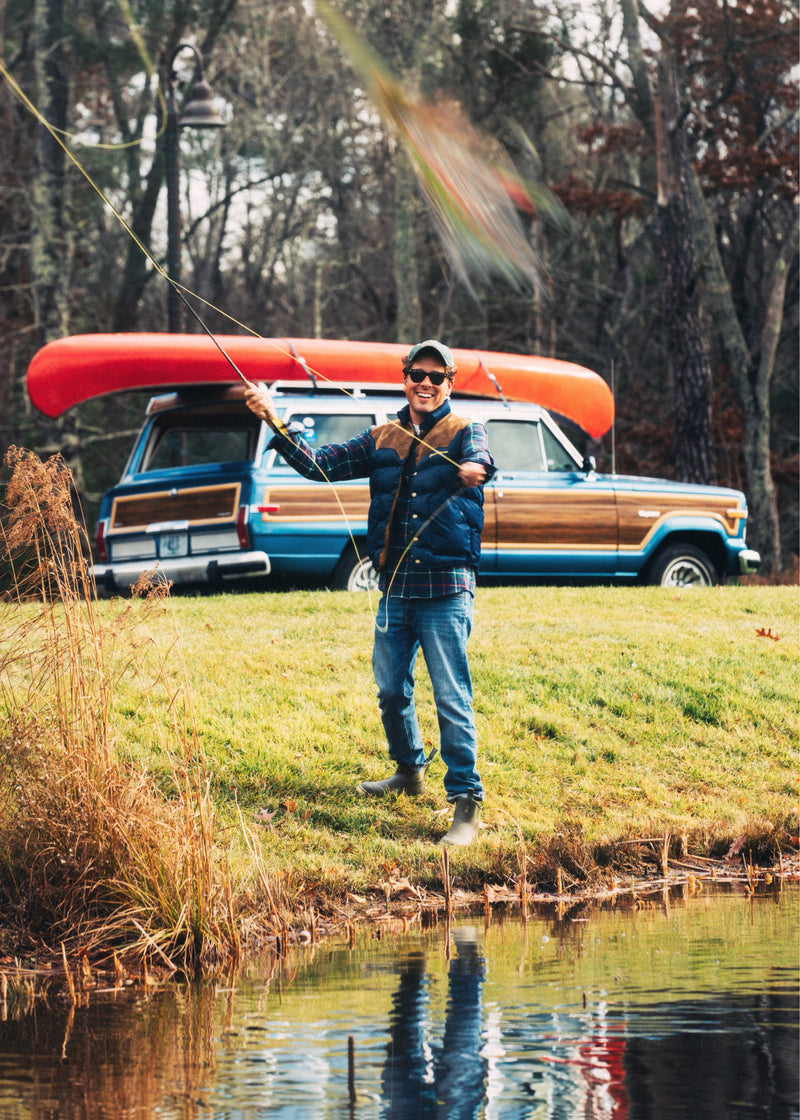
[(666, 133)]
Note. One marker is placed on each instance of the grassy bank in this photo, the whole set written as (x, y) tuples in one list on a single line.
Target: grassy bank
[(179, 773), (604, 714)]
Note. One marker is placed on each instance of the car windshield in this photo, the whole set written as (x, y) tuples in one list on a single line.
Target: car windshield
[(556, 455)]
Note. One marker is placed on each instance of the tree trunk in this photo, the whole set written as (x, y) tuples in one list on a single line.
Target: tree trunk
[(409, 318), (137, 271), (50, 244), (688, 353), (642, 95), (763, 496), (752, 385)]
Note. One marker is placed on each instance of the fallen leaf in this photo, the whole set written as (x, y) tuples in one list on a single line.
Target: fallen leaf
[(401, 887), (736, 847)]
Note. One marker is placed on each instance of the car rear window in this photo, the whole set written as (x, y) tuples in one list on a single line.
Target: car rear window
[(195, 443)]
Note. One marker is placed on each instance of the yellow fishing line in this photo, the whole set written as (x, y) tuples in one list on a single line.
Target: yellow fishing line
[(150, 70)]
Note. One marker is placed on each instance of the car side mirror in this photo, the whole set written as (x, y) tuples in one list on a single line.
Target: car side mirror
[(589, 464)]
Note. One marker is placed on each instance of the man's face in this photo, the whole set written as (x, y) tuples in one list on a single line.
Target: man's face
[(425, 397)]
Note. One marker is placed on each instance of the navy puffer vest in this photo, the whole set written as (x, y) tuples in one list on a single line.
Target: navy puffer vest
[(451, 538)]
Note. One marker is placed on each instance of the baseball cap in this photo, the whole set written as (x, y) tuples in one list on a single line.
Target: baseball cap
[(438, 348)]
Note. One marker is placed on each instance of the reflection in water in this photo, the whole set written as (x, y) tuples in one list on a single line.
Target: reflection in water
[(118, 1059), (685, 1011), (421, 1079), (725, 1057)]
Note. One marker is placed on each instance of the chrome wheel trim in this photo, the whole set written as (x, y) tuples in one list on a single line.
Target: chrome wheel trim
[(685, 571), (363, 577)]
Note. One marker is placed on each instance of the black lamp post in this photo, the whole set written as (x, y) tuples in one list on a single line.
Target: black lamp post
[(198, 112)]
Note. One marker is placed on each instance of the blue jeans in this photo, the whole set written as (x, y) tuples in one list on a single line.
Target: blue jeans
[(440, 627)]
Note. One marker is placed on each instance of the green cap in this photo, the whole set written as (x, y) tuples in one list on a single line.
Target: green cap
[(438, 348)]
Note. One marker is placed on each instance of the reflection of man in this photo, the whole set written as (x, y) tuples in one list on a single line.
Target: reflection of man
[(423, 536), (424, 1078)]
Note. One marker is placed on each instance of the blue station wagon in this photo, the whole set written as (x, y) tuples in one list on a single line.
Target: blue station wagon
[(204, 499)]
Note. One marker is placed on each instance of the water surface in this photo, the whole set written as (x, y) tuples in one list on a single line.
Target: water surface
[(686, 1007)]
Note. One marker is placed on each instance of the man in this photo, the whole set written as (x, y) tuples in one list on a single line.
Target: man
[(425, 517)]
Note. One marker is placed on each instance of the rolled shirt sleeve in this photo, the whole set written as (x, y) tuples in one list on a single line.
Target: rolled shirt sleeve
[(333, 462), (475, 448)]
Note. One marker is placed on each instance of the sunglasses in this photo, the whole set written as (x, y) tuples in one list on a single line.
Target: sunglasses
[(419, 375)]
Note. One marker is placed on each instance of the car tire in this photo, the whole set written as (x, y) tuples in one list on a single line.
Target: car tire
[(354, 572), (683, 565)]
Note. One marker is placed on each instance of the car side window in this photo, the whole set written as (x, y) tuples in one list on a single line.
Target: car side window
[(556, 455), (515, 445), (319, 428)]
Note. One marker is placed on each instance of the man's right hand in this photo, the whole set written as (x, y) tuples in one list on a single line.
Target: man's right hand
[(258, 400)]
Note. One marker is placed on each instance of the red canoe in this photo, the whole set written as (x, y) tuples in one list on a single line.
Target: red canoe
[(75, 369)]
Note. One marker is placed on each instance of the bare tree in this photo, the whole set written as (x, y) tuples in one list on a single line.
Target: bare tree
[(741, 47), (680, 304)]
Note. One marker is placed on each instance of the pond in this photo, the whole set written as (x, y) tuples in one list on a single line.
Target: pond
[(679, 1007)]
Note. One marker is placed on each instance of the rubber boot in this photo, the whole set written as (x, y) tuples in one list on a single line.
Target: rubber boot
[(466, 819), (406, 779)]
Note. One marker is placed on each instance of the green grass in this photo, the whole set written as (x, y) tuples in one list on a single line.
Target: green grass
[(603, 714)]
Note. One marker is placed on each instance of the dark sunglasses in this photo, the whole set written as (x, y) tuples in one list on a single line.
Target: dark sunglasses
[(419, 375)]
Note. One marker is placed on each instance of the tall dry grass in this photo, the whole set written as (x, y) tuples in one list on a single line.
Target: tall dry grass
[(93, 852)]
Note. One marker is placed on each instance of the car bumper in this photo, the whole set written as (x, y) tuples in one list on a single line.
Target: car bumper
[(749, 561), (187, 569)]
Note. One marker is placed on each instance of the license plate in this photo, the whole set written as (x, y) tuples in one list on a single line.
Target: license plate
[(173, 544)]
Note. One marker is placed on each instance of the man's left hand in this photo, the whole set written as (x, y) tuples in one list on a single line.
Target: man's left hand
[(472, 474)]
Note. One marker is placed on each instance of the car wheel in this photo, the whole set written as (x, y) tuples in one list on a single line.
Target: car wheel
[(354, 572), (683, 565)]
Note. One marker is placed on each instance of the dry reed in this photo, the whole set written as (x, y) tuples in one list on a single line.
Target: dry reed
[(93, 854)]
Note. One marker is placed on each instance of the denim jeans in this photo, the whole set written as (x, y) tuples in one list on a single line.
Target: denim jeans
[(440, 627)]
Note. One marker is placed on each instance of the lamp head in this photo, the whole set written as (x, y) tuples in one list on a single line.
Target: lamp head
[(199, 110)]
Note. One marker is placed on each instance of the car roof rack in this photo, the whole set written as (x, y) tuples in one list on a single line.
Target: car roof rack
[(354, 388), (359, 390)]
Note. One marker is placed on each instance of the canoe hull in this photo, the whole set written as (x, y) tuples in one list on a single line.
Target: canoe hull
[(80, 367)]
